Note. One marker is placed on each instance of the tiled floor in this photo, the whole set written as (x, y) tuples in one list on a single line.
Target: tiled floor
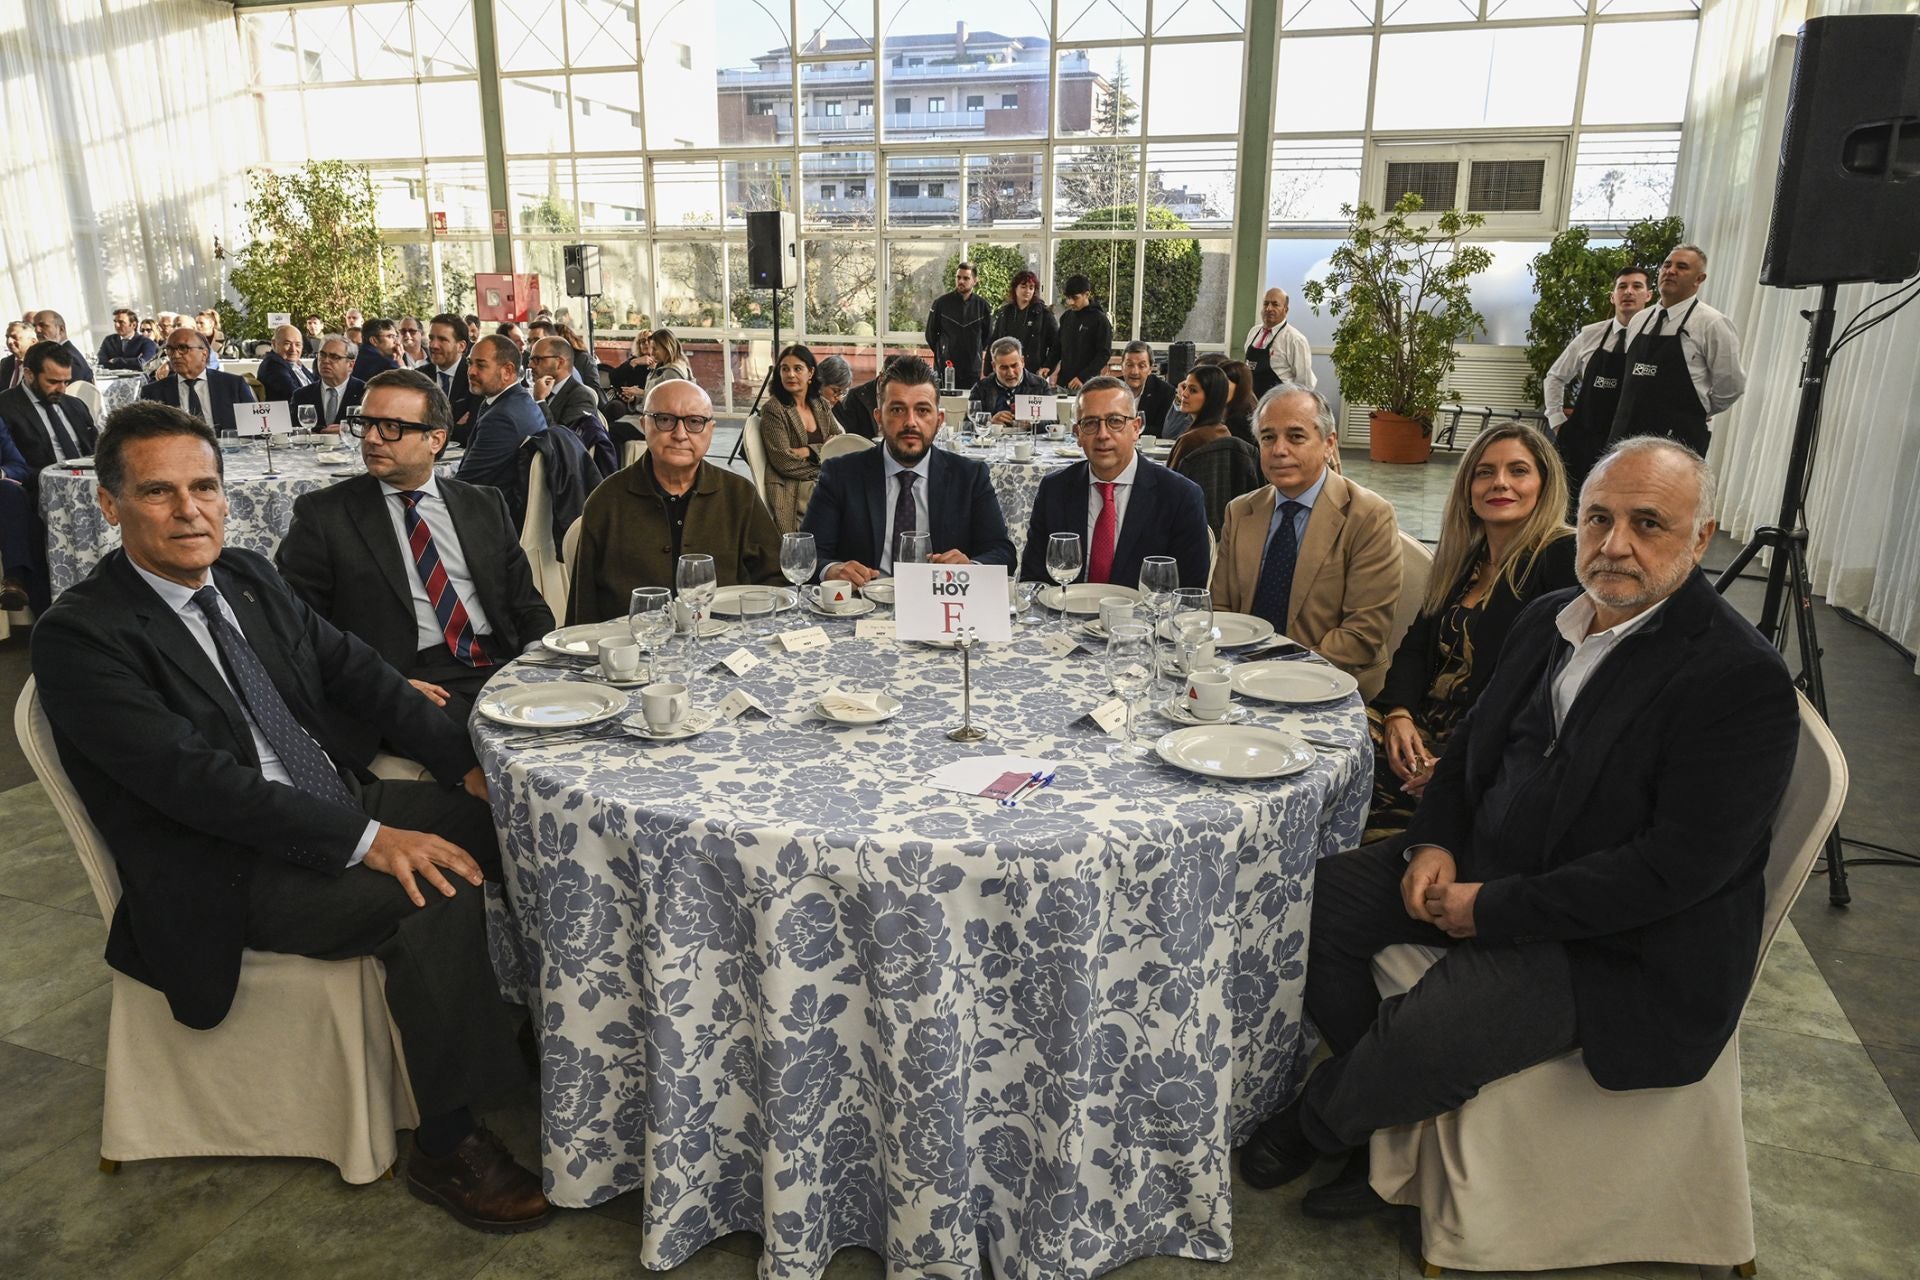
[(1830, 1050)]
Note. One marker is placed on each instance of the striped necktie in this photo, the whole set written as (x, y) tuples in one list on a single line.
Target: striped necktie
[(454, 623)]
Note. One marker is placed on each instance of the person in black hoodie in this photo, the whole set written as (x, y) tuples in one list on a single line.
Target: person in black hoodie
[(1086, 336), (957, 328), (1028, 318)]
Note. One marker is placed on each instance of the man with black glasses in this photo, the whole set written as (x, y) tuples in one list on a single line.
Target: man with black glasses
[(203, 393), (337, 392)]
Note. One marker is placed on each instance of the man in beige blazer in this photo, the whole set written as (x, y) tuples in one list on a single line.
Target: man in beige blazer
[(1314, 553)]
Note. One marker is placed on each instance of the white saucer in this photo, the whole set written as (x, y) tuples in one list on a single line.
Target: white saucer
[(696, 723), (859, 608), (552, 704), (1231, 630), (889, 708), (581, 640), (336, 458), (1175, 709), (879, 590), (595, 673)]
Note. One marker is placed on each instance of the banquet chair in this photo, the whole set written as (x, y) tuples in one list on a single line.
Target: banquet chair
[(306, 1063), (756, 450), (89, 395), (844, 443), (536, 538), (570, 543), (1416, 566), (1545, 1169)]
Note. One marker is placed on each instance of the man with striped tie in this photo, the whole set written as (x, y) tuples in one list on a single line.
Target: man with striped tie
[(425, 569)]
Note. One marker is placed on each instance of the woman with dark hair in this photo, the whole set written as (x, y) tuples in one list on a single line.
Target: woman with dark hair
[(1239, 415), (1204, 393), (1207, 453), (1027, 318), (794, 422)]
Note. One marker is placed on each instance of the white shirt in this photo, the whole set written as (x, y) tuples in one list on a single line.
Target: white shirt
[(1289, 354), (1589, 651), (922, 522), (1710, 345), (433, 509), (1573, 362), (47, 410), (180, 599), (1122, 490)]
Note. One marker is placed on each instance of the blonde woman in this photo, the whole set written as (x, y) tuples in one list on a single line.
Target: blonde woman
[(668, 361), (795, 421), (1504, 541)]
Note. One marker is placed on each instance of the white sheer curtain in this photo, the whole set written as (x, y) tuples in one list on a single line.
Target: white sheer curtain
[(1863, 510), (127, 135)]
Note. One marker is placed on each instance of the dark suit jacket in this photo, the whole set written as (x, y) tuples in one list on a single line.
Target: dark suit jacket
[(1155, 398), (82, 371), (351, 394), (30, 434), (224, 390), (460, 396), (1166, 516), (340, 554), (160, 753), (130, 354), (497, 434), (1674, 757), (7, 366), (278, 378), (369, 362), (988, 396), (857, 409), (848, 514), (569, 402)]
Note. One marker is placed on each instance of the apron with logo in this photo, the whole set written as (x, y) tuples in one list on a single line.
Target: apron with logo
[(1657, 397), (1259, 359), (1583, 436)]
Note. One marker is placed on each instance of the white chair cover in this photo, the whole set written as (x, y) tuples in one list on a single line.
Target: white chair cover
[(630, 451), (536, 539), (1416, 566), (1546, 1169), (89, 395), (846, 442), (306, 1063), (571, 542), (756, 450)]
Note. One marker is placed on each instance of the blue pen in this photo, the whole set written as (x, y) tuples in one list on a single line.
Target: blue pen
[(1021, 790)]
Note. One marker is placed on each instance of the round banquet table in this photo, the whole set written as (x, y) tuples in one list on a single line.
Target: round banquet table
[(1016, 484), (117, 390), (259, 506), (788, 988)]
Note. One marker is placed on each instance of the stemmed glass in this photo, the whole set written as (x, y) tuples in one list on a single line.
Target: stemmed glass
[(1159, 579), (309, 419), (1063, 566), (695, 581), (650, 620), (1130, 668), (912, 547), (1191, 626), (797, 560)]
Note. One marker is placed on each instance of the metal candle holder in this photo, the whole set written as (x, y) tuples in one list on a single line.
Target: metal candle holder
[(270, 470), (967, 730)]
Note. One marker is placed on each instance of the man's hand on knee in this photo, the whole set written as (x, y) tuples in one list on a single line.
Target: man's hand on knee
[(406, 854), (1430, 867)]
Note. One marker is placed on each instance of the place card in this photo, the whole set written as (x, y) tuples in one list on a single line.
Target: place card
[(1109, 717), (804, 638), (740, 661), (875, 629), (1060, 645), (739, 703)]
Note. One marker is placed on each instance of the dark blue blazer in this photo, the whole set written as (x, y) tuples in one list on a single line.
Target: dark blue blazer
[(224, 390), (460, 396), (351, 394), (82, 371), (1166, 516), (498, 432), (847, 515), (131, 353), (370, 362), (990, 397), (280, 379)]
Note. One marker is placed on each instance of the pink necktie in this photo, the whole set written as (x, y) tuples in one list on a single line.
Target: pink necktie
[(1100, 566)]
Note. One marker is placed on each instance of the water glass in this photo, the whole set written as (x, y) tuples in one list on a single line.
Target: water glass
[(697, 582), (1191, 627), (912, 547), (756, 611), (798, 558), (650, 620), (1130, 668), (309, 419)]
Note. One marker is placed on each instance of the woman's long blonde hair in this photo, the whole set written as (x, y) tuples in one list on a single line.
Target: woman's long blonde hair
[(1463, 541)]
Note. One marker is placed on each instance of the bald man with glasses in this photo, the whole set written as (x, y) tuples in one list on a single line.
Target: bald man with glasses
[(206, 394)]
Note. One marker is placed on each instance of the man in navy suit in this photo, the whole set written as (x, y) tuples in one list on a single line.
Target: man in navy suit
[(379, 349), (336, 391), (206, 394), (126, 347), (51, 326), (865, 500), (1124, 507), (502, 419), (281, 373), (994, 394), (46, 423), (447, 338)]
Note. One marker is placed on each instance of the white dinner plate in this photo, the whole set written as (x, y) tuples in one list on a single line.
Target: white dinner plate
[(879, 590), (1241, 752), (857, 609), (335, 458), (726, 601), (1291, 680), (1231, 630), (582, 639), (889, 708), (1175, 709), (552, 704), (695, 723), (1085, 597), (77, 464)]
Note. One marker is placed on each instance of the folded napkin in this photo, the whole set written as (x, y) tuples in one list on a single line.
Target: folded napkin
[(847, 702)]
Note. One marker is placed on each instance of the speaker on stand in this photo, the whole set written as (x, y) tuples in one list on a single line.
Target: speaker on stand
[(582, 265), (773, 257)]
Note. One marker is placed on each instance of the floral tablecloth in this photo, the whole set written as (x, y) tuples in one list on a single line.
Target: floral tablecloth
[(117, 392), (785, 987)]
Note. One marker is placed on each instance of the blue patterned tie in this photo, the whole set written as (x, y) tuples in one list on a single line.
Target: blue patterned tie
[(299, 754), (1270, 597)]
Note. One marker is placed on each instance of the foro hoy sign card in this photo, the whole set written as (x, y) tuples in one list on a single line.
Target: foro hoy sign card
[(940, 601), (262, 418)]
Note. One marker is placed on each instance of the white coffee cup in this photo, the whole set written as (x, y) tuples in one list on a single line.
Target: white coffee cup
[(619, 658), (682, 617), (835, 595), (1023, 451), (664, 705), (1208, 694), (1114, 611)]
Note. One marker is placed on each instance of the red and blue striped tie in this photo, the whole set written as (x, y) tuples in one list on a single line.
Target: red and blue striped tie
[(454, 623)]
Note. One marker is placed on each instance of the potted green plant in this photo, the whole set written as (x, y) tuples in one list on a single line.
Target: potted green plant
[(1398, 287)]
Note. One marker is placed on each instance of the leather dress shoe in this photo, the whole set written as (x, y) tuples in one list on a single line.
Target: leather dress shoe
[(1278, 1152), (13, 597), (480, 1185), (1347, 1194)]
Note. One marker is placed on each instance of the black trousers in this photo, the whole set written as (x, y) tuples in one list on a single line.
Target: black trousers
[(1481, 1012), (457, 1033), (462, 682)]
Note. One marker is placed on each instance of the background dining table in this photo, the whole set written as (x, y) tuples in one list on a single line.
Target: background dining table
[(783, 985), (1017, 483)]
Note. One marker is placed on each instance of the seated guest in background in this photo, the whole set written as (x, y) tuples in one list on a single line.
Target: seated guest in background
[(1203, 396), (193, 388), (1153, 393), (794, 423), (858, 411), (413, 347), (447, 337), (51, 326), (126, 347), (628, 380), (473, 327), (585, 367), (207, 325), (1313, 553), (12, 370), (1086, 336), (503, 417), (379, 349), (1124, 507), (165, 323), (1276, 352), (562, 397), (335, 391), (23, 569), (195, 702), (669, 361), (671, 502), (281, 372), (352, 334), (865, 500), (1241, 400), (150, 333), (510, 330), (47, 424), (1590, 852), (1504, 542), (1222, 464), (429, 572), (1179, 421), (353, 319), (833, 379), (316, 329), (993, 395)]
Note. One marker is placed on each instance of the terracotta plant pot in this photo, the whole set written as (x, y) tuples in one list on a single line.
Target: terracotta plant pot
[(1393, 438)]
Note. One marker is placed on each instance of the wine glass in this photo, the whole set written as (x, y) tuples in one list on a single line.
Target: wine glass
[(1191, 626), (1063, 566), (912, 547), (798, 557), (650, 620), (309, 419), (695, 581), (1130, 667), (1159, 579)]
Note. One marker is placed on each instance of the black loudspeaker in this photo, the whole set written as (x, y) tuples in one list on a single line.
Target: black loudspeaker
[(1847, 204), (1180, 356), (771, 250), (583, 270)]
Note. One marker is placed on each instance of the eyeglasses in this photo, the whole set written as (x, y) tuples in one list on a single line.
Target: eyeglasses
[(335, 355), (388, 429), (693, 424), (1113, 424), (177, 348), (412, 332)]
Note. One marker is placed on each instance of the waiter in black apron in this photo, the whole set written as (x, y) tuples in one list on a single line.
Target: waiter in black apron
[(1682, 361), (1274, 352), (1591, 369)]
